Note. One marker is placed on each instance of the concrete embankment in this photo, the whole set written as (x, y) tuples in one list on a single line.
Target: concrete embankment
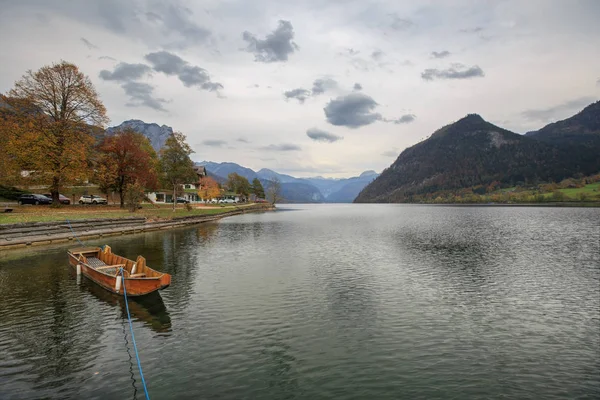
[(41, 233)]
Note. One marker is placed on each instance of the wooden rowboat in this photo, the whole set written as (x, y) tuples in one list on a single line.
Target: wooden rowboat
[(103, 267)]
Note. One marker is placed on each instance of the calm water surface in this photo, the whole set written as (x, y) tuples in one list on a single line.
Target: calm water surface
[(322, 302)]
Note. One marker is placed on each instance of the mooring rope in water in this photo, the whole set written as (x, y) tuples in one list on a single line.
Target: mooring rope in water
[(133, 380), (137, 356), (74, 234)]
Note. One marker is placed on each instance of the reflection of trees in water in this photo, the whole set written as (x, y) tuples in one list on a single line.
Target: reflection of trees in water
[(181, 250), (50, 326), (206, 232)]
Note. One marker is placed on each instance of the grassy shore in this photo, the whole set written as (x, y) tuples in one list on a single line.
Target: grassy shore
[(28, 213)]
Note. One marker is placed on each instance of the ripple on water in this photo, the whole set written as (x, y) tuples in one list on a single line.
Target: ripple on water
[(328, 301)]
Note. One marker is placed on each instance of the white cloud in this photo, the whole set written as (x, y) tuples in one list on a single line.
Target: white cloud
[(535, 55)]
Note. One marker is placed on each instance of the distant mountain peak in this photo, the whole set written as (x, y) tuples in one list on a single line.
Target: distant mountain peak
[(472, 152), (157, 134), (368, 173)]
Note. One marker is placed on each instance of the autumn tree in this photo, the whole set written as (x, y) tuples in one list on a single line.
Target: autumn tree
[(128, 158), (61, 109), (274, 191), (10, 171), (257, 189), (238, 184), (176, 166), (209, 188)]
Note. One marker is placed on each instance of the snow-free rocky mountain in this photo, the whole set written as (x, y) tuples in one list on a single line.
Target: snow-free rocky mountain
[(299, 190), (293, 190), (157, 134), (473, 153)]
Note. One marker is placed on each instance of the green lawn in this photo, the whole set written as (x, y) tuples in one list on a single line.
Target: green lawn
[(592, 190), (46, 214)]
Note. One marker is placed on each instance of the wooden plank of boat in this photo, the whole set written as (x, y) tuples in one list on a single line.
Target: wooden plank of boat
[(103, 267)]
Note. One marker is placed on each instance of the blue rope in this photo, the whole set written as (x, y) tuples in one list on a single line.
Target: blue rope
[(137, 356), (70, 227)]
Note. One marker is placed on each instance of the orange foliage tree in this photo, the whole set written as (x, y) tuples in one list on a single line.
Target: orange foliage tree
[(127, 158), (62, 115), (10, 171), (209, 188)]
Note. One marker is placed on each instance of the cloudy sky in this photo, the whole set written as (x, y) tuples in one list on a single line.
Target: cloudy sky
[(311, 87)]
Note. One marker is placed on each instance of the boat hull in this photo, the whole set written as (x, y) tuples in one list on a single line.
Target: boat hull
[(134, 286)]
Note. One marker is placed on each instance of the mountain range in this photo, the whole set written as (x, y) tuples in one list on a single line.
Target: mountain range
[(297, 190), (474, 153), (293, 190)]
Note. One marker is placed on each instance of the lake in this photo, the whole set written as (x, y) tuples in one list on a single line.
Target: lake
[(321, 302)]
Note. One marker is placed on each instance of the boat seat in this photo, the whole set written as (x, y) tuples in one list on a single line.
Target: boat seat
[(111, 266), (140, 275)]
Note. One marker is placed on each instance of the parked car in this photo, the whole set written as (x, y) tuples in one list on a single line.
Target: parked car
[(62, 199), (34, 199), (92, 199), (181, 200)]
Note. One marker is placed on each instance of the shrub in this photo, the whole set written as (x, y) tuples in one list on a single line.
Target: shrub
[(134, 194), (11, 193)]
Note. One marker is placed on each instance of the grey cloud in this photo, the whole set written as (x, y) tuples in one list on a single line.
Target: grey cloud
[(243, 140), (456, 72), (141, 94), (357, 86), (322, 136), (323, 84), (400, 24), (107, 58), (377, 55), (353, 110), (299, 94), (440, 54), (212, 86), (153, 17), (405, 119), (175, 22), (471, 30), (598, 82), (88, 44), (166, 62), (214, 143), (276, 46), (125, 72), (559, 111), (390, 153), (190, 75), (179, 19), (282, 147)]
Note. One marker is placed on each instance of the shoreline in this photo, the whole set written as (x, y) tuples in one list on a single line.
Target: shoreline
[(21, 235)]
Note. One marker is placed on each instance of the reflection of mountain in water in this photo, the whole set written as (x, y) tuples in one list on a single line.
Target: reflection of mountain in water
[(149, 309)]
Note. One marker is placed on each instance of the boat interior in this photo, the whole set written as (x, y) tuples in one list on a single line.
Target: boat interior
[(105, 261)]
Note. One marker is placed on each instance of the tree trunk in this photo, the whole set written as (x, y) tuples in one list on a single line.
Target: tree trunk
[(54, 190), (122, 191), (174, 196), (122, 197)]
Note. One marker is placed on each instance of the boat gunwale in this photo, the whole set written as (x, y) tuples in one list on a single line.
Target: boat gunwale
[(71, 254)]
